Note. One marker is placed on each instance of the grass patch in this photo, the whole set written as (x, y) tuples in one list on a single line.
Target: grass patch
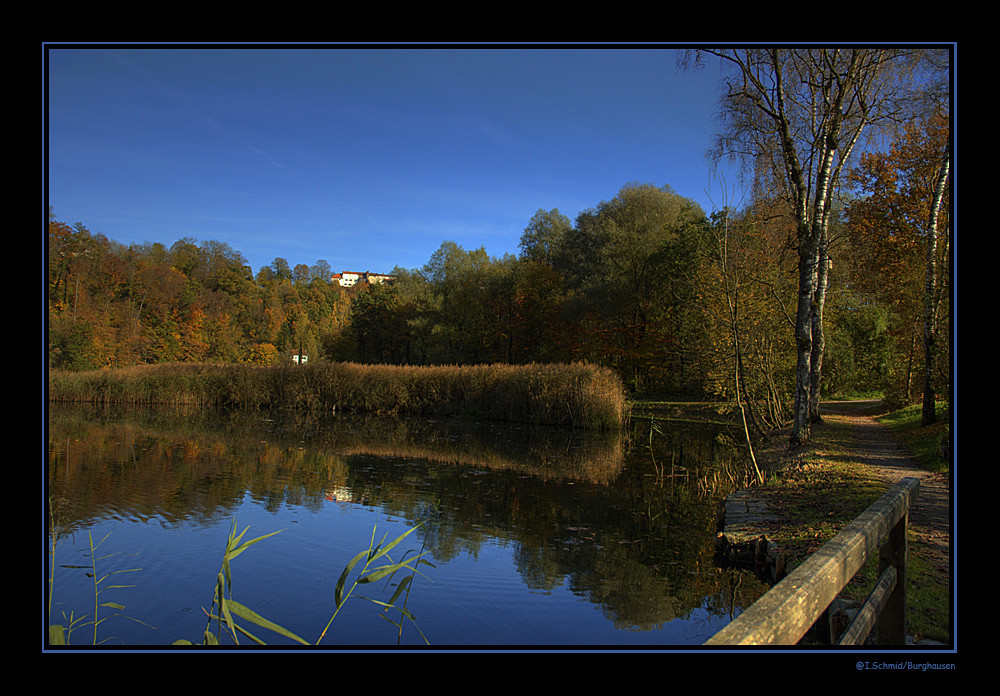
[(854, 396), (929, 444), (808, 515)]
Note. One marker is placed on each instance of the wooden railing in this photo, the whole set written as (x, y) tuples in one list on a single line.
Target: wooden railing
[(789, 609)]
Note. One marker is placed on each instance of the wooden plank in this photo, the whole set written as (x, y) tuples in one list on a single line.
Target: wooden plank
[(784, 614), (869, 611)]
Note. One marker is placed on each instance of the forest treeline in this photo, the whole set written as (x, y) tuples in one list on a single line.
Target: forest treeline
[(623, 286), (675, 300), (645, 283)]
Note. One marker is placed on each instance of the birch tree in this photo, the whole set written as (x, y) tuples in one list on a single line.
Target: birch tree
[(903, 215), (931, 290), (793, 117)]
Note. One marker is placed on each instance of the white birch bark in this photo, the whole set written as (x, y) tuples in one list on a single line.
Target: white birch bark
[(928, 414)]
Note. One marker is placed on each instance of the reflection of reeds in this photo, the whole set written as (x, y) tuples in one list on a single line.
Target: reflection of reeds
[(597, 458), (156, 458), (578, 394)]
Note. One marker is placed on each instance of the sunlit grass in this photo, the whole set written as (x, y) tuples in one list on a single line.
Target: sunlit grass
[(929, 444)]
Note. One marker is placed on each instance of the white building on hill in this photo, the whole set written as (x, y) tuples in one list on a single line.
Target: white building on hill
[(349, 278)]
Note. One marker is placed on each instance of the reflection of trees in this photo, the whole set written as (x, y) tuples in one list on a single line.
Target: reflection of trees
[(144, 468), (642, 552)]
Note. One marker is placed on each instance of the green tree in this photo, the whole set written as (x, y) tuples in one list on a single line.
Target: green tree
[(414, 317), (544, 235), (460, 318), (861, 345), (644, 246), (374, 322), (280, 269), (185, 257)]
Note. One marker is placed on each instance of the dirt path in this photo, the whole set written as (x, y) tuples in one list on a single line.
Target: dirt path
[(875, 445), (850, 433)]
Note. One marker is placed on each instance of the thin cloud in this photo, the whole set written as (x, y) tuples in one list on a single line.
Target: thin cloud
[(190, 108)]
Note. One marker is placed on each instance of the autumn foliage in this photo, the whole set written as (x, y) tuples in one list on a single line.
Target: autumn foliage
[(615, 290), (645, 286), (888, 236)]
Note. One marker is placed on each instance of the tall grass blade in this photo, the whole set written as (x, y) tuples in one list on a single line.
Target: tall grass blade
[(248, 614), (234, 552), (234, 548), (57, 635), (403, 584), (394, 542), (338, 592), (228, 612), (373, 553)]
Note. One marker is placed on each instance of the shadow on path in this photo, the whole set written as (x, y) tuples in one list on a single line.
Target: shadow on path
[(877, 446)]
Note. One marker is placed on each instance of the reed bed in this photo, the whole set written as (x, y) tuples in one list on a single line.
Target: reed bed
[(577, 394)]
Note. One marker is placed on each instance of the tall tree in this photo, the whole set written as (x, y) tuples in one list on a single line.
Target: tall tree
[(640, 245), (901, 223), (457, 280), (730, 275), (794, 116), (543, 235), (321, 270), (941, 166), (281, 269)]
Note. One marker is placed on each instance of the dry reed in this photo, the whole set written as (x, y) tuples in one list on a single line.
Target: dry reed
[(577, 394)]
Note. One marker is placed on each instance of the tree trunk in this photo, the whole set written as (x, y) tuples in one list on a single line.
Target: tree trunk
[(813, 275), (928, 414), (818, 340), (732, 299), (908, 385), (803, 338)]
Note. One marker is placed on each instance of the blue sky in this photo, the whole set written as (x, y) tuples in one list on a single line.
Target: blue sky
[(368, 158)]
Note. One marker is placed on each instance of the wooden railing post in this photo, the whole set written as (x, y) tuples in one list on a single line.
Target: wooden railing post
[(892, 619)]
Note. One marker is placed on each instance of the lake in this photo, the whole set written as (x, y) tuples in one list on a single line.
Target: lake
[(539, 537)]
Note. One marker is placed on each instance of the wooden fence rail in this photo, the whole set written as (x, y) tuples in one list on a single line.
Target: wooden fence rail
[(789, 609)]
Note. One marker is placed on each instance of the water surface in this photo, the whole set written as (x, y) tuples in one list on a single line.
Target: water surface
[(539, 537)]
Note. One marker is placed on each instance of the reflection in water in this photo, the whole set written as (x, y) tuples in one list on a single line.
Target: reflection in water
[(597, 514)]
